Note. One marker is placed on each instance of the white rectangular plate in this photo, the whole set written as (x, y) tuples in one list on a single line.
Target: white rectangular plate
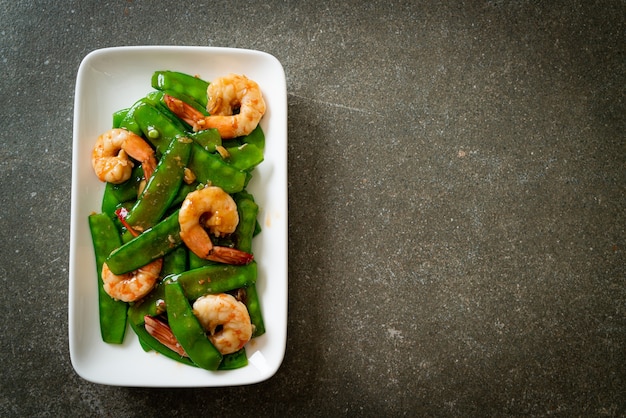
[(112, 79)]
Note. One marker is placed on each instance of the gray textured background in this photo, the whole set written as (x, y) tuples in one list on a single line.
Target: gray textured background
[(457, 205)]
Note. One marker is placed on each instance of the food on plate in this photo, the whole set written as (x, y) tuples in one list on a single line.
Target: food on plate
[(235, 107), (110, 156), (226, 319), (173, 240)]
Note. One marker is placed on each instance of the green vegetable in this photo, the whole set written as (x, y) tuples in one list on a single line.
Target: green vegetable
[(152, 305), (181, 84), (212, 169), (114, 194), (244, 157), (156, 126), (234, 361), (175, 261), (187, 329), (113, 313), (153, 244), (215, 278), (162, 186), (128, 122), (208, 139), (254, 309), (118, 117), (248, 211)]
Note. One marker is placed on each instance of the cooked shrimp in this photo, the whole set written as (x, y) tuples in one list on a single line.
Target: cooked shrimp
[(225, 319), (214, 209), (235, 107), (110, 156), (130, 287)]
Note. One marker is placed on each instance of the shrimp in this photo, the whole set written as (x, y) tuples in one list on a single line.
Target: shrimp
[(235, 107), (214, 209), (163, 333), (130, 287), (110, 156), (225, 319)]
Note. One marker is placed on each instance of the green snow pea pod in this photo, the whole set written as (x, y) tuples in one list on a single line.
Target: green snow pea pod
[(207, 138), (152, 244), (181, 83), (113, 313), (244, 157), (156, 127), (256, 138), (152, 305), (110, 200), (211, 169), (114, 194), (175, 261), (119, 116), (254, 309), (197, 262), (187, 329), (235, 360), (128, 122), (214, 278), (248, 211), (162, 187)]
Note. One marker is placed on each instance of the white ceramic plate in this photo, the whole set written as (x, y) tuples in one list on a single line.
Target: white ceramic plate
[(114, 78)]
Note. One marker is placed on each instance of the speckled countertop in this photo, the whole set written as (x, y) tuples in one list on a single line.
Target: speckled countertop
[(457, 196)]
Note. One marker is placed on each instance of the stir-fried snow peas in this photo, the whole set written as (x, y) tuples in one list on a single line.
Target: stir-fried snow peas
[(139, 223)]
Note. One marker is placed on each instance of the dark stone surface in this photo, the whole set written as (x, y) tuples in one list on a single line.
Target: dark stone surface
[(457, 204)]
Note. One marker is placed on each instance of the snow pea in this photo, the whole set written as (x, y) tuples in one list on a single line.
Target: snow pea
[(113, 313), (248, 211), (110, 200), (119, 116), (214, 278), (128, 122), (187, 329), (156, 127), (153, 305), (244, 157), (197, 262), (175, 262), (162, 187), (181, 83), (212, 169), (152, 244), (234, 361), (114, 194), (256, 138), (207, 138), (253, 304)]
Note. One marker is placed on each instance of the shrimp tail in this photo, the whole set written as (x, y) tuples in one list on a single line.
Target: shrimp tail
[(230, 256), (184, 111), (121, 214), (163, 334)]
